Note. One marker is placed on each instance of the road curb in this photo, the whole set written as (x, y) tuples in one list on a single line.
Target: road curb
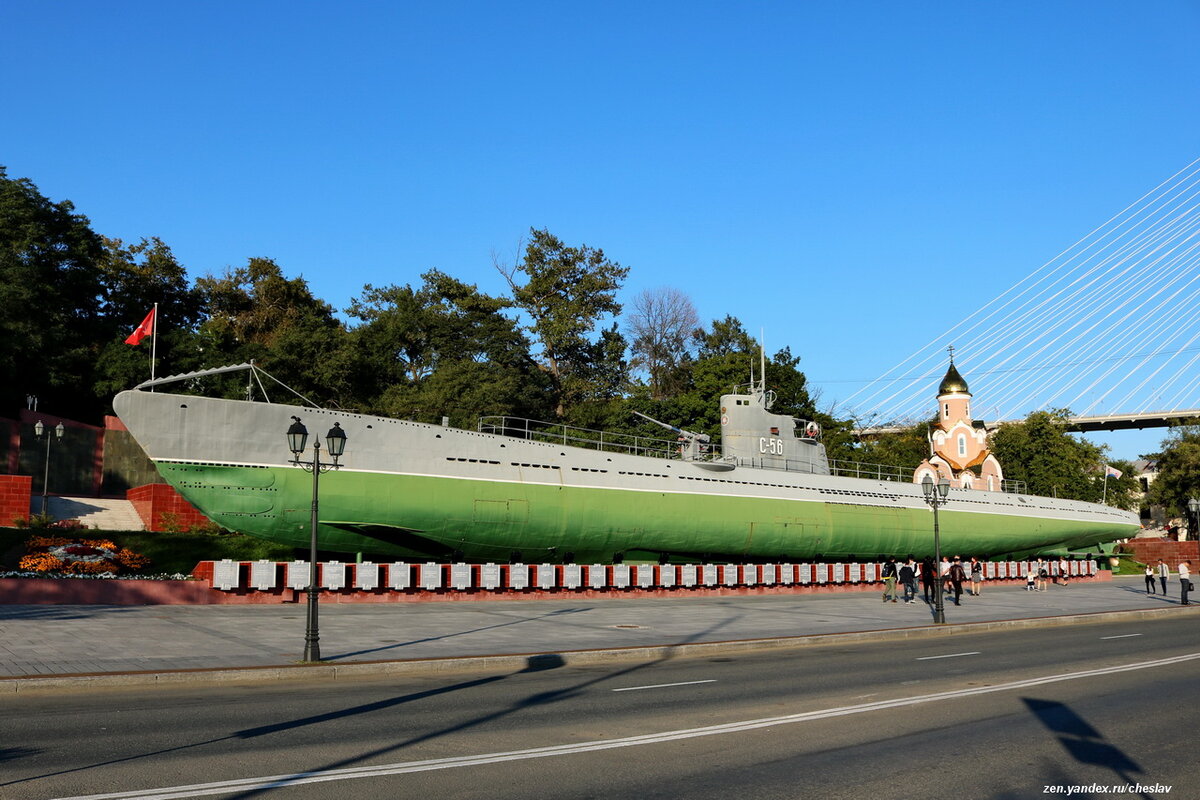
[(530, 662)]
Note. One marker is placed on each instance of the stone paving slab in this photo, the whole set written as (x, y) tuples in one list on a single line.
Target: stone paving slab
[(63, 640)]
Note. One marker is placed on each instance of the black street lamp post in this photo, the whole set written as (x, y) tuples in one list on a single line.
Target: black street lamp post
[(38, 430), (936, 496), (1194, 523), (335, 443)]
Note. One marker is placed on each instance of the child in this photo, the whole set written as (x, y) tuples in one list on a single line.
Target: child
[(1029, 578)]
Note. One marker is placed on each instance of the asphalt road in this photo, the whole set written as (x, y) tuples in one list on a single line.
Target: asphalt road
[(1010, 714)]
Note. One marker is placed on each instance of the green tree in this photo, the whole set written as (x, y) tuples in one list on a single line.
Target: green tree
[(1053, 463), (904, 450), (136, 277), (1178, 477), (444, 349), (726, 336), (255, 313), (50, 300), (565, 292)]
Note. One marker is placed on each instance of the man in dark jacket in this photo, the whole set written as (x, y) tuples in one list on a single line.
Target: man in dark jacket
[(908, 577), (957, 576)]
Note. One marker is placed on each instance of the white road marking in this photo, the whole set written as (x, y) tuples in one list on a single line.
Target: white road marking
[(663, 685), (948, 655), (404, 767), (1122, 636)]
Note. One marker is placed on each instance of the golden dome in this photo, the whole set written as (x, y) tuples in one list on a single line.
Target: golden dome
[(953, 383)]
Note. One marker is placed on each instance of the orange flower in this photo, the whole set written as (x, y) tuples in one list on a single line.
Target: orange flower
[(40, 562)]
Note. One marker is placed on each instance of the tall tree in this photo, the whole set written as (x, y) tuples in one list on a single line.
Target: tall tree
[(255, 313), (50, 298), (565, 291), (661, 328), (136, 277), (724, 337), (1053, 463), (443, 349), (1178, 477)]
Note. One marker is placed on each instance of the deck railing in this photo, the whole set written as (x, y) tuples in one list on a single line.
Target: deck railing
[(558, 433), (609, 442)]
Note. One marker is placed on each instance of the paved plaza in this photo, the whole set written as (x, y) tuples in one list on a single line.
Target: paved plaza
[(74, 640)]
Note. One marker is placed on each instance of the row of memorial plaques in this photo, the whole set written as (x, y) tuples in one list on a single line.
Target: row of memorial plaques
[(430, 575)]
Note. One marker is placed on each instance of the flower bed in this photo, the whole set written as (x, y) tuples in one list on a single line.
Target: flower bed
[(46, 555)]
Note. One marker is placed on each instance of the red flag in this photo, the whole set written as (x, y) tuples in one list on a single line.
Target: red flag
[(143, 330)]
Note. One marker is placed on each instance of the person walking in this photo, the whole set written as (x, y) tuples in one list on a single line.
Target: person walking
[(976, 576), (1185, 582), (908, 577), (1149, 579), (1063, 571), (889, 579), (1030, 576), (1164, 572), (927, 578), (957, 575), (1043, 572)]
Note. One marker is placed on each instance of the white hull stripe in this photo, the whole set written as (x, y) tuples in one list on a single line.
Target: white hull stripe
[(381, 770)]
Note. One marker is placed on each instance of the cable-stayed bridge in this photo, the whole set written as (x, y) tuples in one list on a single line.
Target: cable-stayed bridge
[(1108, 329)]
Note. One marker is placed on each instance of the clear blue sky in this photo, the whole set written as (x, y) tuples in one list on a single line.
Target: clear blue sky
[(811, 168)]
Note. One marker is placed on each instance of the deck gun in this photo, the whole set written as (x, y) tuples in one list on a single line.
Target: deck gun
[(697, 443)]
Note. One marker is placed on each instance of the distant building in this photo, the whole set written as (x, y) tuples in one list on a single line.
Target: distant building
[(958, 444)]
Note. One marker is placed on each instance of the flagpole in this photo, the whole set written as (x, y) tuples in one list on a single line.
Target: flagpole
[(1104, 501), (154, 344)]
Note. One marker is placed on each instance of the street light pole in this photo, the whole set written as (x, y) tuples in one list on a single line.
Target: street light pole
[(38, 430), (1194, 524), (335, 442), (936, 496)]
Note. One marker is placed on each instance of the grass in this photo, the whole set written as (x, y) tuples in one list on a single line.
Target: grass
[(168, 552)]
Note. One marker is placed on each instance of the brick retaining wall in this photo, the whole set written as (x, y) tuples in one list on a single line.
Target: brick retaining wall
[(154, 500), (15, 494)]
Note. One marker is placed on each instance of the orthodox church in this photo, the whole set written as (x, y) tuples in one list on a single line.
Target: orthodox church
[(959, 444)]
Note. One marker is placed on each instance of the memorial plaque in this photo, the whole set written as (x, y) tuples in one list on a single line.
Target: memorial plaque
[(431, 576), (226, 574), (518, 576), (597, 576), (400, 575), (297, 575), (856, 573), (489, 576), (710, 574), (820, 573), (787, 574), (620, 576), (989, 570), (545, 576), (750, 574), (460, 576), (687, 575), (366, 576), (666, 575), (572, 576), (839, 573), (262, 575), (645, 576), (731, 574), (805, 574), (768, 575), (333, 575)]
